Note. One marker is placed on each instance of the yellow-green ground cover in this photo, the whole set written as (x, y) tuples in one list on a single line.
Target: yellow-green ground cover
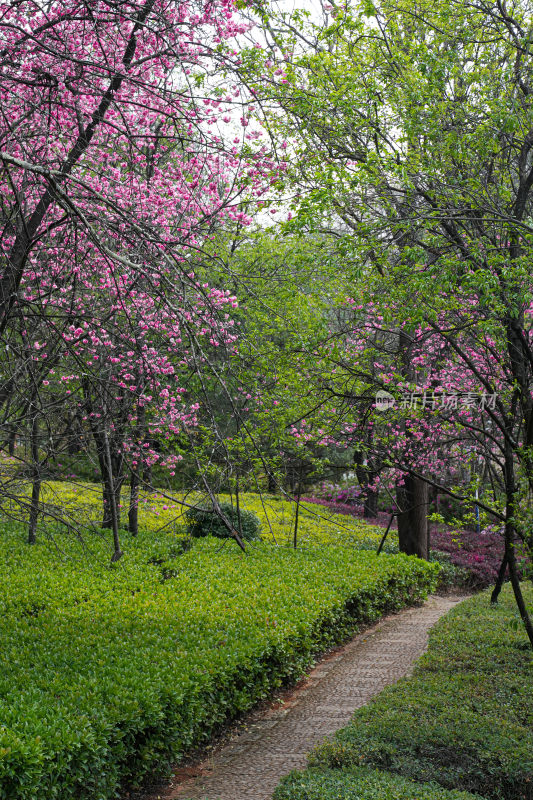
[(316, 524)]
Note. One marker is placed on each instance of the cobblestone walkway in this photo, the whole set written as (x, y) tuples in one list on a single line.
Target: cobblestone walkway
[(250, 766)]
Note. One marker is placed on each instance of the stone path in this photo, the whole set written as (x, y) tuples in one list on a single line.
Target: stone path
[(250, 766)]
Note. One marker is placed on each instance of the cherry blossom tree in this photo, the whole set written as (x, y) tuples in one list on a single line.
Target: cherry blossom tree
[(115, 171)]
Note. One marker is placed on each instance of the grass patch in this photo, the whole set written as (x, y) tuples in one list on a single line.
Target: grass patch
[(360, 783), (464, 719)]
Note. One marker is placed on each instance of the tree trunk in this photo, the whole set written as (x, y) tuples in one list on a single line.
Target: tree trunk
[(107, 499), (370, 508), (112, 477), (111, 463), (296, 519), (135, 479), (515, 581), (298, 499), (383, 538), (12, 440), (365, 477), (74, 437), (112, 480), (413, 495), (133, 510), (509, 534), (36, 480), (413, 500), (499, 581), (112, 484)]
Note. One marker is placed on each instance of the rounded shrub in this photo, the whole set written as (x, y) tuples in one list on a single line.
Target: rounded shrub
[(205, 522)]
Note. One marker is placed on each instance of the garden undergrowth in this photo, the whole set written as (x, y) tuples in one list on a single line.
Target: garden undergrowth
[(110, 671)]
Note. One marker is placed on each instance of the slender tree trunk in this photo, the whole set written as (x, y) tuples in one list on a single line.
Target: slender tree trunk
[(509, 535), (298, 498), (413, 496), (74, 437), (499, 580), (111, 467), (135, 480), (515, 582), (36, 479), (238, 504), (370, 508), (383, 538), (118, 482), (12, 440), (413, 499), (113, 507), (365, 477), (111, 471), (107, 498), (296, 517), (133, 510)]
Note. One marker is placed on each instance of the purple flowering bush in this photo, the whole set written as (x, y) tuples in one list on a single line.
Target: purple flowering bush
[(476, 555), (479, 553), (337, 494), (336, 506), (354, 510)]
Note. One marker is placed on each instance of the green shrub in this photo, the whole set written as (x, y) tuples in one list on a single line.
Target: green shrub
[(451, 575), (360, 784), (109, 672), (464, 719), (205, 522)]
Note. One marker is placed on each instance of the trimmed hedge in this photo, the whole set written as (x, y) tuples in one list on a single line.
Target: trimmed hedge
[(204, 522), (451, 576), (465, 717), (360, 784), (108, 672)]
